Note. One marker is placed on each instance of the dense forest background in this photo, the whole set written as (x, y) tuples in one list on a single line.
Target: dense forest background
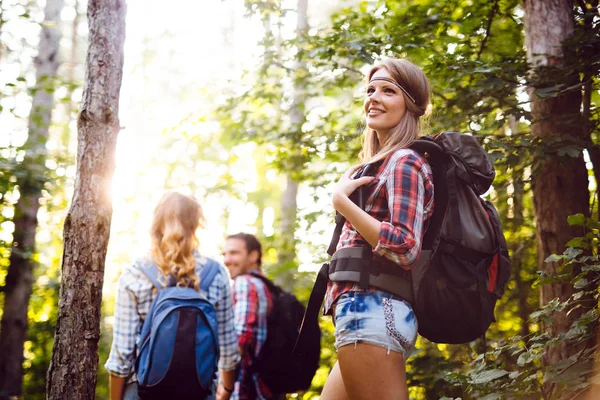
[(254, 106)]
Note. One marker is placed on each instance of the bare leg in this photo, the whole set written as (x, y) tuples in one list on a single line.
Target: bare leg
[(369, 372), (334, 387)]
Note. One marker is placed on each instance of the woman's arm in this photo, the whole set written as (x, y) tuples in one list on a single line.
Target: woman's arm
[(228, 340), (116, 384), (126, 323), (226, 384)]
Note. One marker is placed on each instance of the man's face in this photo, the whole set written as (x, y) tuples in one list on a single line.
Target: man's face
[(237, 259)]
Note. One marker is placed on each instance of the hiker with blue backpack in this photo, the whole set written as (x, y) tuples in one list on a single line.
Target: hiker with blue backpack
[(173, 322), (407, 259)]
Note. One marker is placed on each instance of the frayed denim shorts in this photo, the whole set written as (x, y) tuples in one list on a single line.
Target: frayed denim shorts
[(376, 318)]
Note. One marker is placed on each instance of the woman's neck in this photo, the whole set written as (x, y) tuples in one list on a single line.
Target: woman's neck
[(382, 138)]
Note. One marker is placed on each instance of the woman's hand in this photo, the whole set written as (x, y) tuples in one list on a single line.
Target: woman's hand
[(346, 185), (222, 394)]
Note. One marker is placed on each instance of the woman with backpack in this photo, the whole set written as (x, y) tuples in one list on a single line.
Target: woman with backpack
[(375, 331), (173, 261)]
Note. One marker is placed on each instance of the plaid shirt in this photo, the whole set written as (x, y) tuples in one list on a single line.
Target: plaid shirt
[(252, 304), (134, 296), (402, 199)]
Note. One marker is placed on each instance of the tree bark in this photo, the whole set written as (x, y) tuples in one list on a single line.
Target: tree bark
[(286, 251), (72, 372), (13, 329), (560, 184)]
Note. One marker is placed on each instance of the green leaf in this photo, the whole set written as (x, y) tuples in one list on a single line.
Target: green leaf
[(488, 376), (595, 267), (491, 396), (581, 283), (524, 358), (578, 242), (572, 253), (577, 219), (554, 258)]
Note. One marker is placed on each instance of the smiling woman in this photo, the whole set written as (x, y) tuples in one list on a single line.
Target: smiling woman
[(386, 231)]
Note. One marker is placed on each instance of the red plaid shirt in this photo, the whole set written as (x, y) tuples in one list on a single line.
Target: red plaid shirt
[(252, 303), (402, 199)]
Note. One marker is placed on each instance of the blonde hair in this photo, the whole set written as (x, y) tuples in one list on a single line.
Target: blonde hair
[(413, 80), (173, 232)]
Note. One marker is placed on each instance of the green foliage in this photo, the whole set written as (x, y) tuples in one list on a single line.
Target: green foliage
[(473, 53), (514, 368)]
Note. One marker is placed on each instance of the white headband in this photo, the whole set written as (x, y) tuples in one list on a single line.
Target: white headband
[(395, 84)]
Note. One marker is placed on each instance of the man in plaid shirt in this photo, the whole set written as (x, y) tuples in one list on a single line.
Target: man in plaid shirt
[(252, 304)]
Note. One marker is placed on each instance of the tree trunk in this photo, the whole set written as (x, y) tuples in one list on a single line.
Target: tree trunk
[(286, 252), (73, 62), (560, 184), (72, 372), (1, 26), (18, 288)]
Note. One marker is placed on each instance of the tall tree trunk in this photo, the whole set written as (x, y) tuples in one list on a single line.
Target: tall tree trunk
[(72, 372), (18, 288), (286, 252), (1, 27), (560, 184), (73, 62)]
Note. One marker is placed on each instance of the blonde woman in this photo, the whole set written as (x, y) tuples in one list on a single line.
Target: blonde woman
[(374, 330), (173, 255)]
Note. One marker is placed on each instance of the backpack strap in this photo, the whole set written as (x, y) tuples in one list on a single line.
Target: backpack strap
[(156, 277), (312, 310), (340, 220), (271, 286), (337, 232), (208, 274)]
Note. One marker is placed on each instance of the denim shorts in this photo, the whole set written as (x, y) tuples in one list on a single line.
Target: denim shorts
[(376, 318)]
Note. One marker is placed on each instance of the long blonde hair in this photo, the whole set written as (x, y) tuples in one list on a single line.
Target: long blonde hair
[(173, 232), (414, 81)]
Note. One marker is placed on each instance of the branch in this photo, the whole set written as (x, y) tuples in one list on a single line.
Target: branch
[(488, 29)]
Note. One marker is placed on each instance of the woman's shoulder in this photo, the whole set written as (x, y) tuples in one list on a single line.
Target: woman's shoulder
[(203, 262), (404, 153), (133, 276), (405, 157)]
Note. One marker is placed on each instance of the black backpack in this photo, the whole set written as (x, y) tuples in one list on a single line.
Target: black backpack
[(275, 365), (463, 266)]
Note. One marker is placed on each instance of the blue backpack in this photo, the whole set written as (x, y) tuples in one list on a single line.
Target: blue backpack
[(179, 347)]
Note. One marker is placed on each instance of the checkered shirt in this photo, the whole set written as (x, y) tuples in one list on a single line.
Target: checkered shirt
[(252, 304), (134, 296), (402, 199)]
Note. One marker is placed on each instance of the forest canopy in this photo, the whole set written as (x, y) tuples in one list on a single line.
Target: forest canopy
[(256, 110)]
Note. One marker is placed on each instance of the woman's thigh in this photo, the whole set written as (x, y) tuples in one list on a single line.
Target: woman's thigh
[(374, 332), (372, 372), (334, 387)]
